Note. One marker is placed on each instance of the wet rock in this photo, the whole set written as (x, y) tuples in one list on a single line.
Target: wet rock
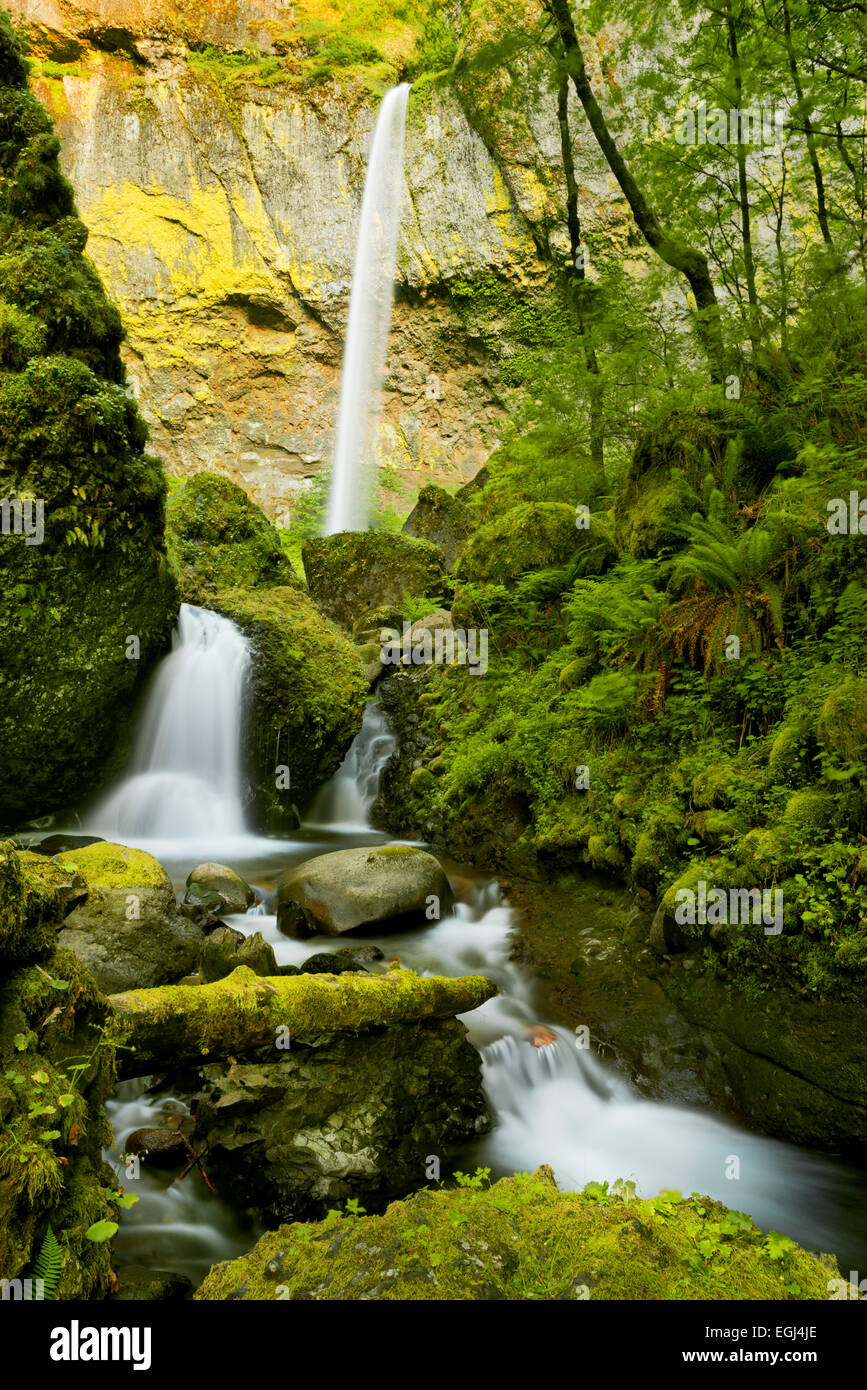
[(440, 518), (161, 1148), (56, 844), (338, 892), (202, 915), (343, 1116), (226, 948), (366, 954), (219, 888), (329, 963), (139, 1284)]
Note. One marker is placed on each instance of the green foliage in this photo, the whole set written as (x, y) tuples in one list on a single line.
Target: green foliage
[(48, 1265)]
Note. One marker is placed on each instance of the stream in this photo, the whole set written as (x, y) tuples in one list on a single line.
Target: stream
[(559, 1104)]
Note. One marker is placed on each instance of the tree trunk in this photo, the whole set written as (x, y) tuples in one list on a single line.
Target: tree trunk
[(821, 205), (183, 1025), (691, 263), (577, 274), (743, 189)]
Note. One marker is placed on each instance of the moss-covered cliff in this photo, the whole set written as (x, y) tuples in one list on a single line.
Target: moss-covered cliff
[(223, 197), (87, 597)]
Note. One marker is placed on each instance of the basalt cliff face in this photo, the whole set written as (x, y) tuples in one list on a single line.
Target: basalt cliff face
[(221, 178)]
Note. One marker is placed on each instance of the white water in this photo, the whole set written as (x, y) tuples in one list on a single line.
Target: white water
[(346, 802), (185, 781), (557, 1104), (369, 321)]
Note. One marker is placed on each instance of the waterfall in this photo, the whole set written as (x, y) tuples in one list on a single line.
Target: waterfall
[(184, 779), (346, 801), (369, 320)]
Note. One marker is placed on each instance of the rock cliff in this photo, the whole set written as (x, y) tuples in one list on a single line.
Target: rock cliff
[(218, 159)]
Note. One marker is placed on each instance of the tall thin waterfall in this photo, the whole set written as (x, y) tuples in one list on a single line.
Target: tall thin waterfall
[(185, 777), (369, 321)]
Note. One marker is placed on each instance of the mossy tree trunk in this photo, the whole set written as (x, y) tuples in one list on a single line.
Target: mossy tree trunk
[(188, 1024)]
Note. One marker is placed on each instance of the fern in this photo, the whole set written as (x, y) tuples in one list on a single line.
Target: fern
[(48, 1264)]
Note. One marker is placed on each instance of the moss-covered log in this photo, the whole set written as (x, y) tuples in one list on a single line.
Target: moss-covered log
[(182, 1024)]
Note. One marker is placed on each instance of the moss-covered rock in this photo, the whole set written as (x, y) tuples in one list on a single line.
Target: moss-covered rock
[(842, 723), (128, 932), (308, 691), (531, 536), (82, 567), (440, 518), (219, 539), (522, 1239), (651, 512), (359, 570)]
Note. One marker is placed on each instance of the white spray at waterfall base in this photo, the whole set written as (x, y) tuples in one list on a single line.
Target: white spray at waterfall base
[(369, 320), (185, 780)]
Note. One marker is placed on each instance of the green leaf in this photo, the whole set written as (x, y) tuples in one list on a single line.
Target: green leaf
[(100, 1231)]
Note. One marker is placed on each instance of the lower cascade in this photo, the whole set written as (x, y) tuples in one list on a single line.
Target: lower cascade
[(185, 779)]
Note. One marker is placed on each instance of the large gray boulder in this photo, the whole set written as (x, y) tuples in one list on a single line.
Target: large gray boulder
[(128, 931), (351, 888)]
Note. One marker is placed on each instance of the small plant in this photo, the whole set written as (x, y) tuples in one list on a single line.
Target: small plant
[(48, 1264)]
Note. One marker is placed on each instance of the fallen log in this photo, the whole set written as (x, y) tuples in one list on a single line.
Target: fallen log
[(183, 1025)]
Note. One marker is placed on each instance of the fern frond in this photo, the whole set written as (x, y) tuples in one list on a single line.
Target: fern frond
[(48, 1264)]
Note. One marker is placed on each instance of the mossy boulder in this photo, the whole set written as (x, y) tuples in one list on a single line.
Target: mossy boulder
[(359, 570), (442, 519), (531, 536), (307, 697), (842, 724), (83, 568), (811, 809), (651, 512), (335, 893), (521, 1239), (128, 932), (339, 1117), (220, 539), (31, 906)]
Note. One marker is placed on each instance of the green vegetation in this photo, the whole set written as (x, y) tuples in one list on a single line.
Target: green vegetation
[(308, 690), (676, 682), (522, 1239), (71, 443)]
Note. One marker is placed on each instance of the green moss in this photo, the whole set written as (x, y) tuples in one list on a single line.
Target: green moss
[(809, 809), (107, 865), (71, 438), (842, 723), (522, 1239), (219, 539), (532, 536), (356, 571), (307, 698), (30, 910)]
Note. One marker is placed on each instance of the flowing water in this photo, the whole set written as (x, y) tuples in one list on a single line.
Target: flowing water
[(557, 1104), (369, 320)]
